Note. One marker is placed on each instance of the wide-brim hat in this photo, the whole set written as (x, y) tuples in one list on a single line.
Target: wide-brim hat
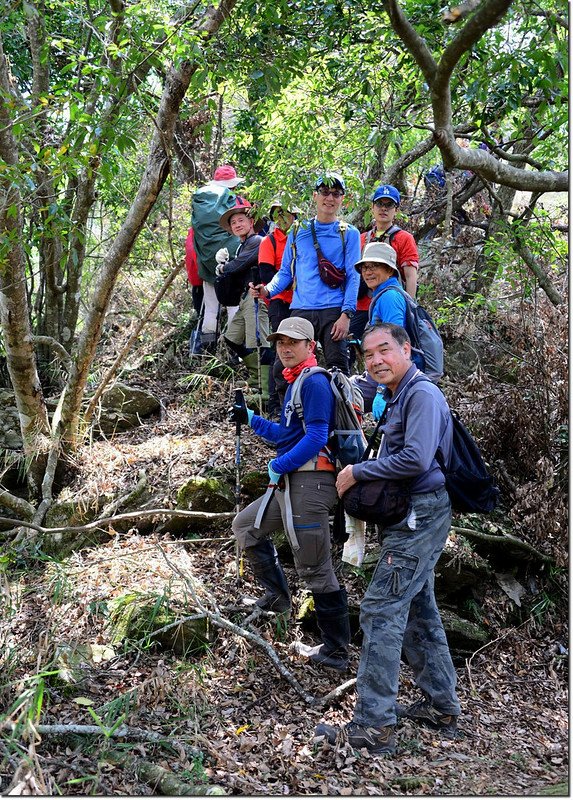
[(378, 253), (294, 328), (226, 175), (241, 206)]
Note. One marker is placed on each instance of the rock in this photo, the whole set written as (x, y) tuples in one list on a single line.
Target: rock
[(10, 436), (136, 616), (123, 407), (254, 483), (463, 636), (66, 514), (205, 494)]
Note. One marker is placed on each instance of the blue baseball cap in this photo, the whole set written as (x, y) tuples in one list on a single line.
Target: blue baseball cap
[(387, 191), (331, 179)]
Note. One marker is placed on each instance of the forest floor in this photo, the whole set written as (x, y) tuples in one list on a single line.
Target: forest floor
[(253, 727)]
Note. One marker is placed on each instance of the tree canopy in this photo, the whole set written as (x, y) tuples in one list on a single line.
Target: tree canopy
[(109, 110)]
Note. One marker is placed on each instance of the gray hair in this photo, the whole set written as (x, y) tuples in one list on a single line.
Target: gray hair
[(397, 332)]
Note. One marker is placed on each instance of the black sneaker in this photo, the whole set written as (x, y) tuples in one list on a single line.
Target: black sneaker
[(378, 741), (424, 712)]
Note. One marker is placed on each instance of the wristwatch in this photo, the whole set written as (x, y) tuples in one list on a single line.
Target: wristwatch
[(348, 313)]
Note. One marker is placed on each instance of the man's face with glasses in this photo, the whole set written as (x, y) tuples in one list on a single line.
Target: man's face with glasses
[(325, 191), (383, 211), (328, 200)]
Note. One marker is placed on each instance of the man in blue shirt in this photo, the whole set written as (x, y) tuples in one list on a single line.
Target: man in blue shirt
[(329, 308), (299, 499), (399, 612)]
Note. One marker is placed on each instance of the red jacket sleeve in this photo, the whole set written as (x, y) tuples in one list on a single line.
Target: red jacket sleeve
[(191, 260)]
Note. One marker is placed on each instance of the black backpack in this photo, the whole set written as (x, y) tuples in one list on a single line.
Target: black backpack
[(229, 288), (469, 484)]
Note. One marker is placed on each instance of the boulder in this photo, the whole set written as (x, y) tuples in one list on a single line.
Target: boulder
[(137, 616), (123, 407), (205, 494), (66, 514)]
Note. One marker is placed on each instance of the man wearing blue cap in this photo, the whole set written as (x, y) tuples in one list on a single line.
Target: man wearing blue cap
[(318, 261), (385, 203)]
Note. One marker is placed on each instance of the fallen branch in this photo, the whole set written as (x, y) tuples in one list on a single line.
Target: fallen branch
[(99, 523), (128, 498), (217, 619), (335, 693), (157, 777), (506, 538), (123, 732), (18, 505), (162, 781)]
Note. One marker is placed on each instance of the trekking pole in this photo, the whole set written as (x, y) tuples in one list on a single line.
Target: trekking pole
[(195, 340), (258, 340), (239, 401)]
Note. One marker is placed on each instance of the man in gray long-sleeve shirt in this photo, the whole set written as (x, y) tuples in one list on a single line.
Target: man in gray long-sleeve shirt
[(399, 610)]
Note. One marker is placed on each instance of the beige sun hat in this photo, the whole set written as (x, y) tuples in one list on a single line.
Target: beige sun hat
[(378, 253)]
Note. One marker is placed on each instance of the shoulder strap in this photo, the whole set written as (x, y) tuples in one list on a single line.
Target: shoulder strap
[(342, 228), (315, 238), (410, 302), (295, 227), (419, 377), (295, 402), (392, 231), (273, 241)]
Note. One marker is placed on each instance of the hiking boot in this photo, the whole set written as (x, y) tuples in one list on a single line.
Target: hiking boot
[(319, 654), (378, 741), (279, 603), (269, 573), (332, 617), (425, 713)]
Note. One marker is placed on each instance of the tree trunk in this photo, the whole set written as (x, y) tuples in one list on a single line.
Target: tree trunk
[(14, 311), (154, 177)]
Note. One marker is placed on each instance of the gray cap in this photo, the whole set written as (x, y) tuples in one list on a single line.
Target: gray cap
[(294, 328), (378, 253)]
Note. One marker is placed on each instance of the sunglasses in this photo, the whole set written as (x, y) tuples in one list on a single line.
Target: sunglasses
[(324, 191), (384, 204)]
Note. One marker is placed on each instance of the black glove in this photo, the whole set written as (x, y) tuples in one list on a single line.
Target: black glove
[(239, 413)]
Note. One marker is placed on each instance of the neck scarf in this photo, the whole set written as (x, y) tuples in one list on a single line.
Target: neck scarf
[(290, 374)]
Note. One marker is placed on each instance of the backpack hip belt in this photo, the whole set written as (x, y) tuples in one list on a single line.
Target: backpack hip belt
[(322, 462)]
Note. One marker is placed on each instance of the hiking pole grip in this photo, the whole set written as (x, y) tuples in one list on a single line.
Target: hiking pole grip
[(239, 401)]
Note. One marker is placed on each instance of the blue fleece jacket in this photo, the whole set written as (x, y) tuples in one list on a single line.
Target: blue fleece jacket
[(310, 291), (294, 446), (387, 306)]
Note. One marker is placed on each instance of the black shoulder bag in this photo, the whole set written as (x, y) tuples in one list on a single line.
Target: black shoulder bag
[(384, 501)]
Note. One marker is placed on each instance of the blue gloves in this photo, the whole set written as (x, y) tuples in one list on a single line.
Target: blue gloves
[(274, 477), (378, 404)]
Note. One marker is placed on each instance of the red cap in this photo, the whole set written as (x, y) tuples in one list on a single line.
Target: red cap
[(227, 176)]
